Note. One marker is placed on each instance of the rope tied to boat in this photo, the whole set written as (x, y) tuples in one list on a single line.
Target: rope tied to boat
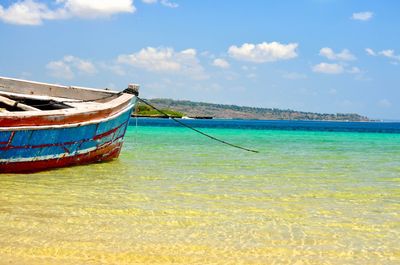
[(133, 89), (196, 130)]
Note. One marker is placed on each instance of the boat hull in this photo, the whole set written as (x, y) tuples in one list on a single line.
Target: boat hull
[(31, 149)]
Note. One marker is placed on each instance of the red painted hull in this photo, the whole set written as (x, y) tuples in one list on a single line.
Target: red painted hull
[(80, 126), (53, 147), (51, 120), (107, 152)]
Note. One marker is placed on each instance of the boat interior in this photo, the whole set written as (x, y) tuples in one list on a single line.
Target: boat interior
[(21, 95)]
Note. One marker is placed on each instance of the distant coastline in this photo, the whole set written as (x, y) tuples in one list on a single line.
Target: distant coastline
[(179, 108)]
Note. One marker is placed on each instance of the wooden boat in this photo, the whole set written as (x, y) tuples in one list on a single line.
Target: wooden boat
[(45, 126)]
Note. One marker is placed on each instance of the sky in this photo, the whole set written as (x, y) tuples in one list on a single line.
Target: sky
[(327, 56)]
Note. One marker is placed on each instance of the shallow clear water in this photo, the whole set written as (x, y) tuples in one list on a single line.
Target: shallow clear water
[(174, 197)]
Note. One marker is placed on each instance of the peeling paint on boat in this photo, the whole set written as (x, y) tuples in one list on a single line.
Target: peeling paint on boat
[(38, 140)]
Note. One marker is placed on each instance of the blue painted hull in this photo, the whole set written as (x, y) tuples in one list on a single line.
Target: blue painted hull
[(34, 149)]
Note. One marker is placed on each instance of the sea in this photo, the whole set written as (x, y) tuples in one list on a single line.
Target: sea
[(315, 193)]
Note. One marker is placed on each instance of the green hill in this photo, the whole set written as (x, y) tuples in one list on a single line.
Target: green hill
[(201, 109)]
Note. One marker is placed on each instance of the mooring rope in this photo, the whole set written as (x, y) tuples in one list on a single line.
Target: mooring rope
[(96, 99), (196, 130), (149, 104)]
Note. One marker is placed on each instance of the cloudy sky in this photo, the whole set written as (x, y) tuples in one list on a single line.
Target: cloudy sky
[(312, 55)]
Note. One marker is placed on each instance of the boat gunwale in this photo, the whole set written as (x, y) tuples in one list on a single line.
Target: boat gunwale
[(78, 105), (69, 125), (71, 111), (94, 105), (58, 85)]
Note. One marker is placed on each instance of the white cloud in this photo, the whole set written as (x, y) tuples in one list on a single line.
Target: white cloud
[(60, 69), (263, 52), (207, 54), (344, 55), (389, 53), (153, 59), (28, 12), (31, 12), (335, 68), (221, 63), (149, 1), (370, 51), (67, 67), (169, 4), (98, 8), (166, 60), (328, 68), (163, 2), (363, 16)]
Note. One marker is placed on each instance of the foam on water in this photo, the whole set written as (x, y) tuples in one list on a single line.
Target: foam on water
[(174, 197)]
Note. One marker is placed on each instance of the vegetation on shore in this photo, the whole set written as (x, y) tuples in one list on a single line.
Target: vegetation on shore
[(179, 108), (147, 111)]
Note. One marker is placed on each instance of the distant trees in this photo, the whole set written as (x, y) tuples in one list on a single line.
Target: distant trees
[(189, 108), (145, 110)]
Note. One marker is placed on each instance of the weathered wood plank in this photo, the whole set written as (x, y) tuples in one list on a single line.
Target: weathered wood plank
[(36, 88), (34, 97), (13, 103)]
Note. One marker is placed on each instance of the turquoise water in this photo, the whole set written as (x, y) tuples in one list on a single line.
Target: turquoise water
[(175, 197)]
